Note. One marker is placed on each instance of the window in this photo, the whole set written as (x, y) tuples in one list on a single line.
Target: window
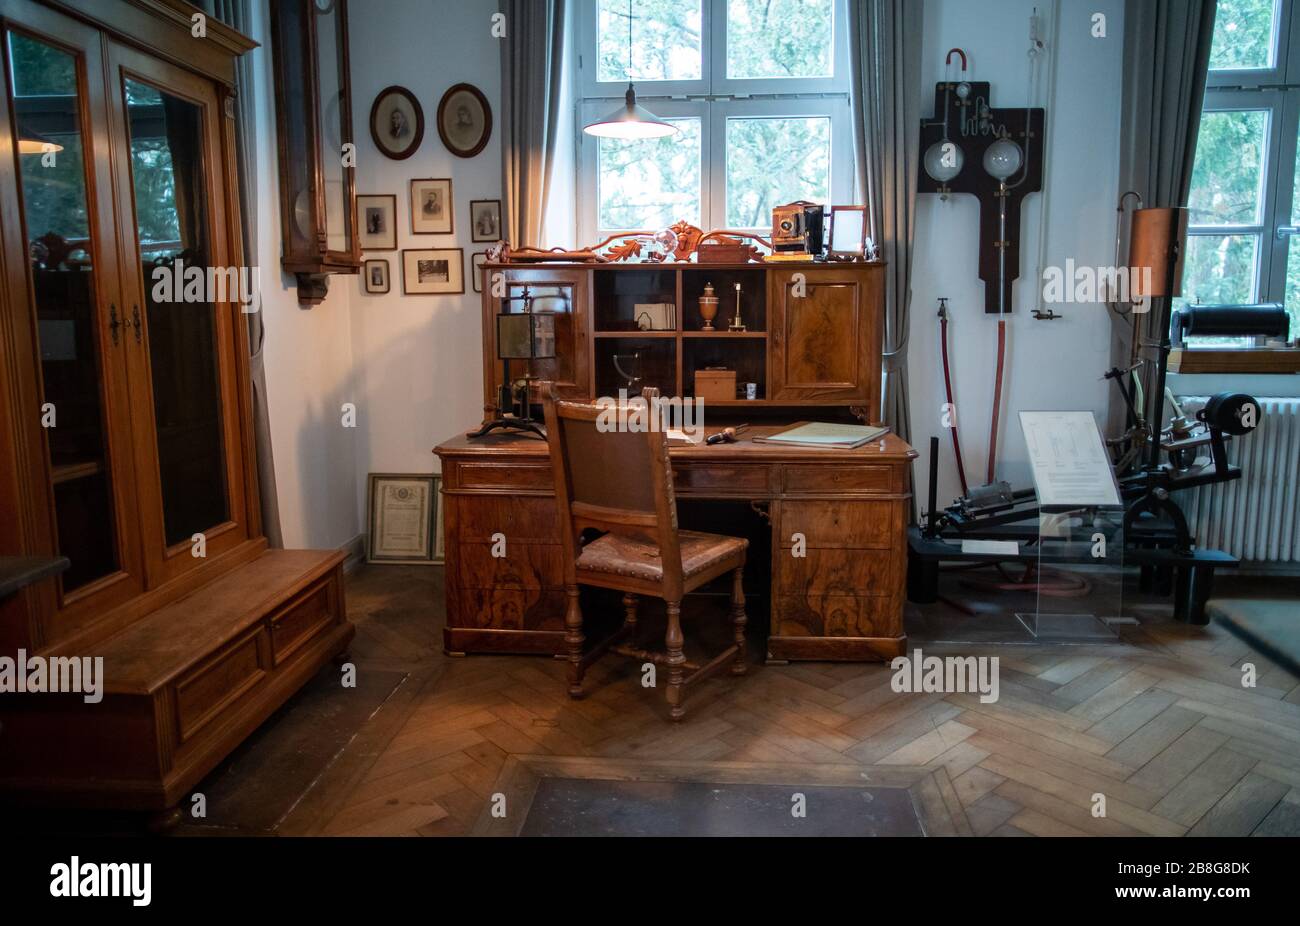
[(758, 89), (1244, 207)]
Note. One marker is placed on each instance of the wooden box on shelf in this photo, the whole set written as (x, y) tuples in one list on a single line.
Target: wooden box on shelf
[(715, 385)]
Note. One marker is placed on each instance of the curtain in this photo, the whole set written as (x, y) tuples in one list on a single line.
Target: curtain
[(531, 74), (1166, 60), (238, 14), (885, 58)]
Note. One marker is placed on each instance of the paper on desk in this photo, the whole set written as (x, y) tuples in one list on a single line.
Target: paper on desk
[(1068, 459)]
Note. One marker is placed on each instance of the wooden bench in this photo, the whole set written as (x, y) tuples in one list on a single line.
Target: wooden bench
[(182, 686)]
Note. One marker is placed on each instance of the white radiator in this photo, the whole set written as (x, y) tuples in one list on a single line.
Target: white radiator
[(1255, 517)]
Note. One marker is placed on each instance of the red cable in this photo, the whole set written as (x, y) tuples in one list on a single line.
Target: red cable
[(997, 398), (947, 387)]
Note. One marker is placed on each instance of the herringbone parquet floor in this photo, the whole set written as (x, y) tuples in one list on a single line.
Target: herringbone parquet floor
[(1162, 726)]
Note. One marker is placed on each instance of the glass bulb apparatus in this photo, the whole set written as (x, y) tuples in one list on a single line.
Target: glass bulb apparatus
[(944, 161), (1003, 159)]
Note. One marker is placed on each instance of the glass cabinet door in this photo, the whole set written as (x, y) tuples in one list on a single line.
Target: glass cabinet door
[(64, 194), (186, 294)]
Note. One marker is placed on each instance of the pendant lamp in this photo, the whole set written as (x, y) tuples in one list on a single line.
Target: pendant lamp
[(630, 121)]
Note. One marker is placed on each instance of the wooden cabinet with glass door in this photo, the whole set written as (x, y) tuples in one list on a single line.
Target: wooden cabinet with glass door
[(125, 400)]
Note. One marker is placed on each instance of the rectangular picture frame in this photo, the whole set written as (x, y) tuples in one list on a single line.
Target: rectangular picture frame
[(848, 232), (433, 210), (402, 518), (376, 286), (439, 530), (379, 211), (485, 220), (422, 275), (476, 262)]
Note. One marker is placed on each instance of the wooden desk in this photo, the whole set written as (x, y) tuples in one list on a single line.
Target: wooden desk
[(843, 600)]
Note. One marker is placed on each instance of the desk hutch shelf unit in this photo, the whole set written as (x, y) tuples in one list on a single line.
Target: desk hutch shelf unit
[(812, 331), (813, 344)]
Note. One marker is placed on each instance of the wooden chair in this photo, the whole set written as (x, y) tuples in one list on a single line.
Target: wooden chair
[(621, 483)]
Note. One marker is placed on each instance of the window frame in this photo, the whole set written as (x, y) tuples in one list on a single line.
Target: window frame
[(1275, 91), (714, 98)]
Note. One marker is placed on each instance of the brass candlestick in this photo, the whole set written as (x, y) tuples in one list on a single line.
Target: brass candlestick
[(736, 323)]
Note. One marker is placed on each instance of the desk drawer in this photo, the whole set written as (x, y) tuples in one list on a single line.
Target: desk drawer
[(745, 480), (505, 476), (841, 524), (836, 478), (860, 573), (525, 565), (475, 518), (222, 679), (836, 616), (508, 608), (301, 621)]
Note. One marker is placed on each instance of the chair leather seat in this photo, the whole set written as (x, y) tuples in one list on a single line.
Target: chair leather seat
[(629, 556)]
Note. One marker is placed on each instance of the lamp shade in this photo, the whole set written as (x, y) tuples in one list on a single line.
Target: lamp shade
[(1155, 254), (33, 142), (630, 121)]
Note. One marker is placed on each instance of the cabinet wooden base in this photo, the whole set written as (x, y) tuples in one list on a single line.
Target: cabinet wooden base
[(836, 649), (457, 641), (179, 696)]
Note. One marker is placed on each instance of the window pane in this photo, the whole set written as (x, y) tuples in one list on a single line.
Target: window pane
[(1292, 301), (1219, 270), (791, 38), (171, 208), (775, 161), (650, 184), (1227, 179), (64, 279), (1244, 35), (665, 40)]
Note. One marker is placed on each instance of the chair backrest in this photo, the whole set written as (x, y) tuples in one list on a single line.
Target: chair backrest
[(612, 479)]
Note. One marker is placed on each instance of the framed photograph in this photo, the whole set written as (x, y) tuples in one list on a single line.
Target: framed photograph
[(433, 272), (485, 220), (432, 210), (848, 231), (377, 222), (376, 276), (464, 120), (397, 123), (403, 513), (439, 532), (476, 262)]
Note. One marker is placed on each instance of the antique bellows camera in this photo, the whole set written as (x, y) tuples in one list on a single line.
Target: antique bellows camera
[(797, 228)]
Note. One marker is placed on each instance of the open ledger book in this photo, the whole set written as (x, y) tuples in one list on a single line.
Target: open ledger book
[(818, 434)]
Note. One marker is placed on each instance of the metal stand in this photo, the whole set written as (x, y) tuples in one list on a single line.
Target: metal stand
[(515, 415)]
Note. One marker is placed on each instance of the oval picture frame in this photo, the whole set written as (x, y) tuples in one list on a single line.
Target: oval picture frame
[(379, 134), (458, 147)]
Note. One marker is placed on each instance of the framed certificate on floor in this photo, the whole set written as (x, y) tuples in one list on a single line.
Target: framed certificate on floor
[(403, 512)]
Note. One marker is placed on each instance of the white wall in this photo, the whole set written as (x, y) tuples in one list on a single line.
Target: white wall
[(1051, 364), (413, 364), (418, 359), (309, 363)]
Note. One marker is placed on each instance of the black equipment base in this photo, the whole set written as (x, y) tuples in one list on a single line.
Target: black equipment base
[(1189, 576)]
